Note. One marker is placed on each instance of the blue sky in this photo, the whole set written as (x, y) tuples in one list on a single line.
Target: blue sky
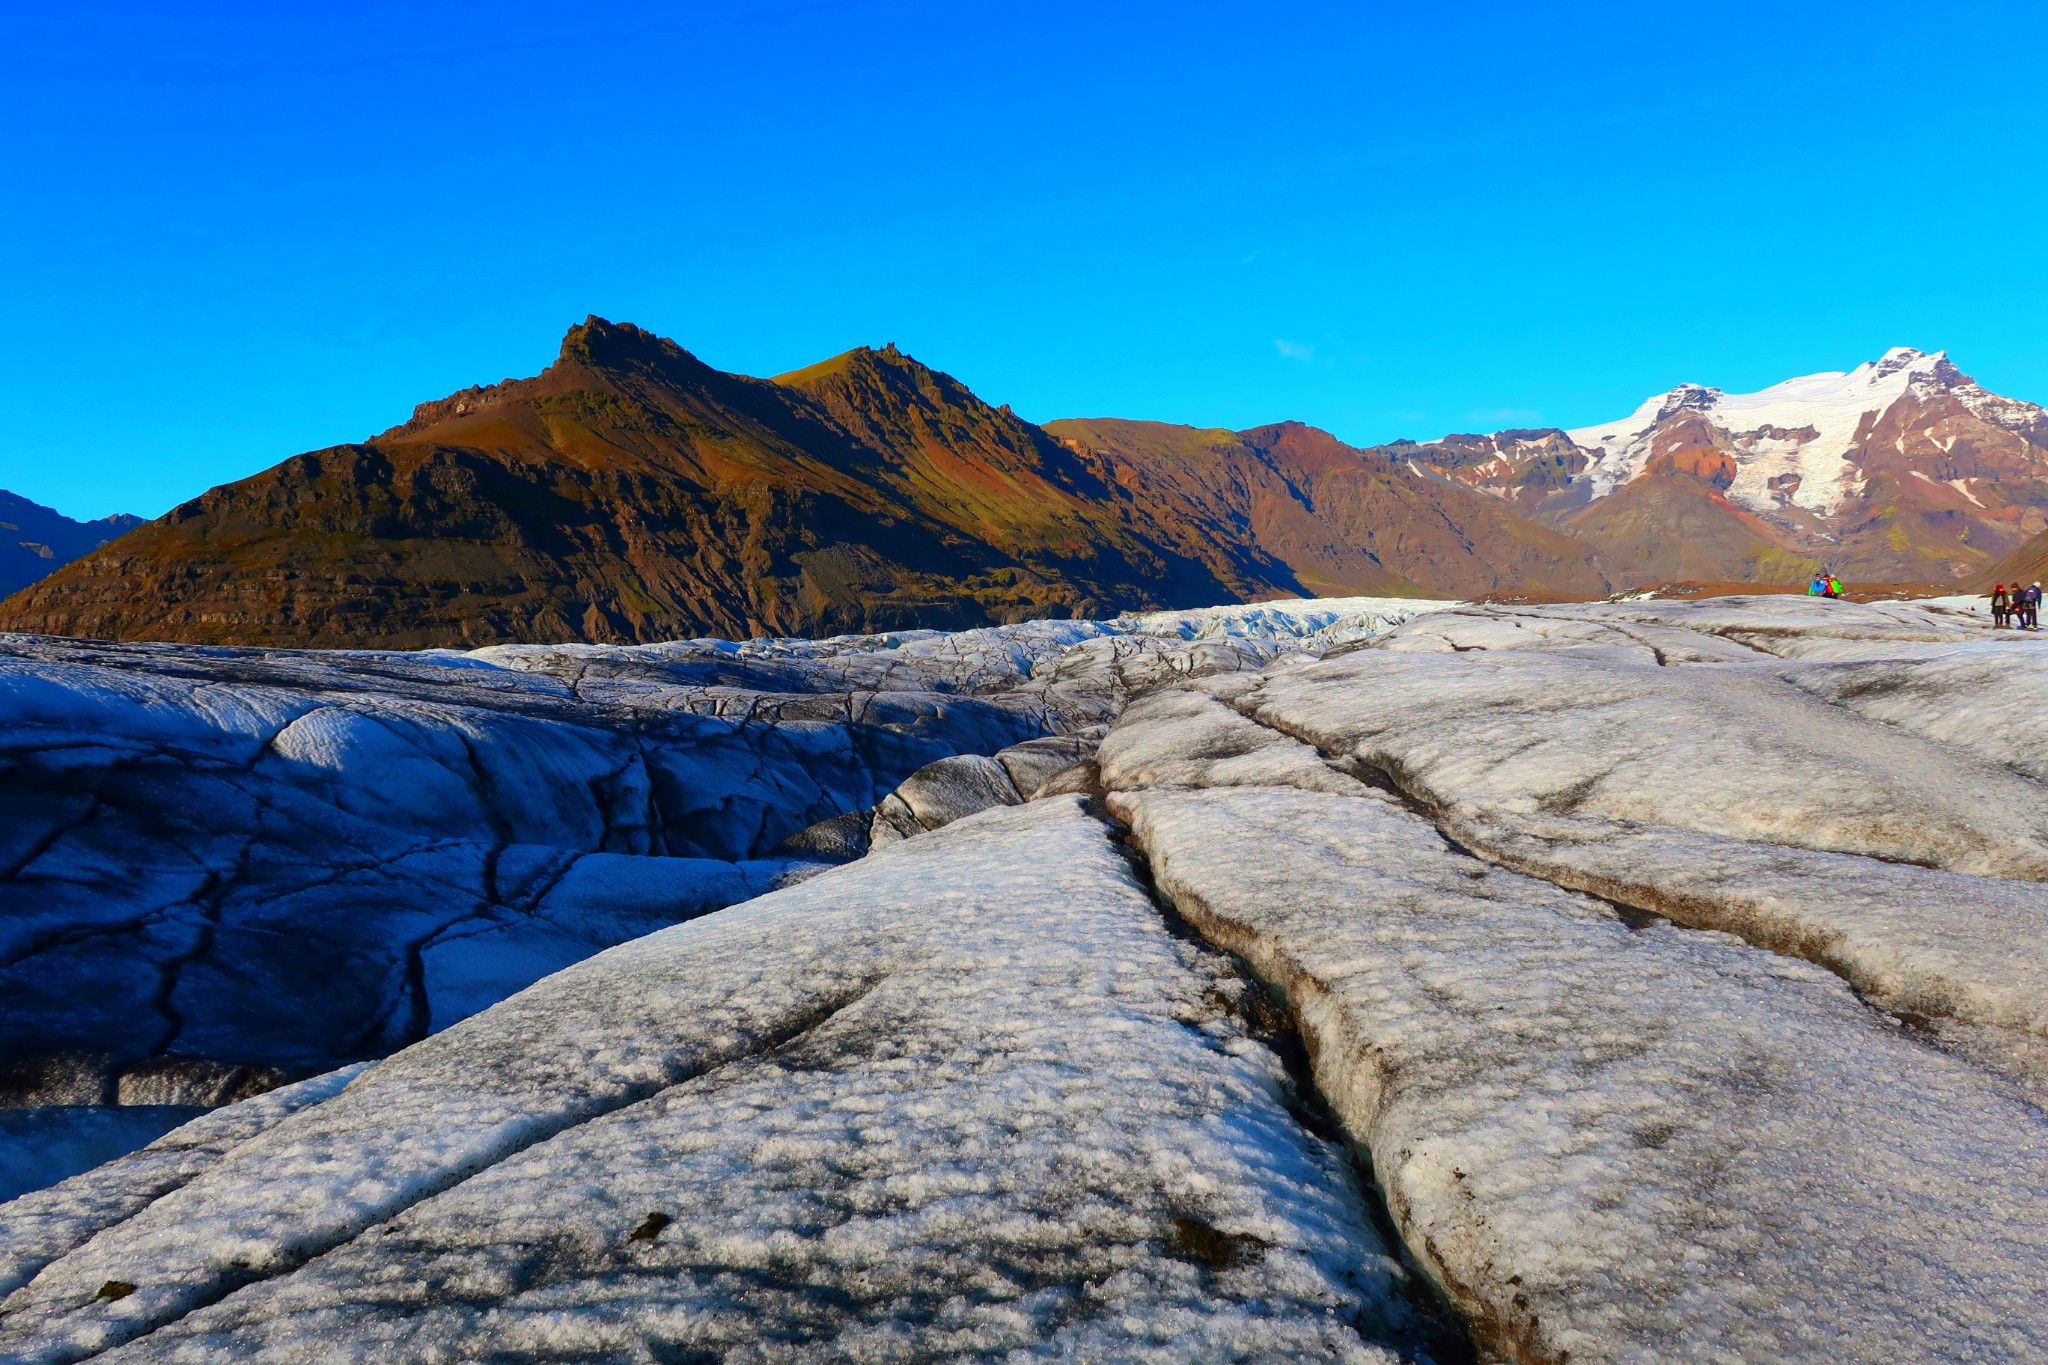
[(232, 233)]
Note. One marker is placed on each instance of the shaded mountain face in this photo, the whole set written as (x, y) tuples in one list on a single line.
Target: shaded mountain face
[(1903, 469), (36, 540), (631, 492), (2027, 564), (1312, 515)]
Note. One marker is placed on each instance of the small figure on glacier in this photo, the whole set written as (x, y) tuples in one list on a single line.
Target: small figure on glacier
[(1831, 586), (1817, 586), (2034, 607), (2001, 606)]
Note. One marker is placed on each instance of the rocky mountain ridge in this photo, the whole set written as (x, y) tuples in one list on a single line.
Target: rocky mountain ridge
[(35, 540), (630, 492), (1902, 469)]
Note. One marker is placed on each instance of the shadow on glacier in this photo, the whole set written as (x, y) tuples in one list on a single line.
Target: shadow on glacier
[(221, 869)]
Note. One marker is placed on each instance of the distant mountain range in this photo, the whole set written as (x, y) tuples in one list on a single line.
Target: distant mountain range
[(631, 492), (35, 540), (1901, 470)]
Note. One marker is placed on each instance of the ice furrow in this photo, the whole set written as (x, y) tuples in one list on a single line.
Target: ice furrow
[(1041, 1129), (1604, 1140), (468, 1148), (1912, 941), (1916, 942)]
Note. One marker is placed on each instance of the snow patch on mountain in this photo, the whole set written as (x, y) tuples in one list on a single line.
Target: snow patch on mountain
[(1804, 427)]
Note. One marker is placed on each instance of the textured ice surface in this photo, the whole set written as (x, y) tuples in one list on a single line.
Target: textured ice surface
[(1622, 1138), (220, 868), (291, 858), (965, 1097), (1958, 954), (1542, 725), (1615, 1143), (295, 859), (1771, 1092), (39, 1227), (42, 1146)]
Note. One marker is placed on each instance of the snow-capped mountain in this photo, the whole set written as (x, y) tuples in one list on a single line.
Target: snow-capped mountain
[(1901, 468), (1797, 444)]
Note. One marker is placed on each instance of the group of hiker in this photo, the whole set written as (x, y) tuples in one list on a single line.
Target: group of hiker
[(1824, 585), (2018, 606)]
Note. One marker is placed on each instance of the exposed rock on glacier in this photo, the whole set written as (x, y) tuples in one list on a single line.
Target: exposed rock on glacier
[(965, 1097)]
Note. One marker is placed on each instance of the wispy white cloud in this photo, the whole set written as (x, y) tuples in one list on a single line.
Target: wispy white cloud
[(1294, 350)]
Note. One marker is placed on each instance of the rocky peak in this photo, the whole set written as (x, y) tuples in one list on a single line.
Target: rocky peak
[(1903, 358), (1688, 397), (601, 344)]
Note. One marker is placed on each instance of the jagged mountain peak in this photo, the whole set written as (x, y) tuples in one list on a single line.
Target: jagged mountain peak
[(868, 364), (36, 540), (1902, 468), (604, 344)]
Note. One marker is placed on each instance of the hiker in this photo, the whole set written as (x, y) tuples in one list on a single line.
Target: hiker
[(1817, 586), (2000, 606), (2034, 607), (1830, 586)]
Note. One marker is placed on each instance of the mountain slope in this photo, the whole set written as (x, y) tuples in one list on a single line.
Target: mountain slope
[(1331, 518), (632, 492), (36, 540), (2027, 564)]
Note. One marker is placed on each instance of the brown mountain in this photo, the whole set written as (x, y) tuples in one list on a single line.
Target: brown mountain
[(1333, 518), (2027, 564), (632, 492), (36, 540)]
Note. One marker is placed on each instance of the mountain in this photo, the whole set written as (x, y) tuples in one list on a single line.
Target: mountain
[(2027, 564), (1325, 518), (1902, 469), (631, 492), (36, 540)]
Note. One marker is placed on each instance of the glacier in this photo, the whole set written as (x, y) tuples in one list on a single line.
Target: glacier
[(1364, 981)]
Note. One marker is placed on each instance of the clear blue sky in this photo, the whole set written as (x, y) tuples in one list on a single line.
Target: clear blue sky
[(232, 232)]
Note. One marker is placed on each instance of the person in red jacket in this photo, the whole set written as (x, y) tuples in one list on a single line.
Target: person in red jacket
[(2001, 605)]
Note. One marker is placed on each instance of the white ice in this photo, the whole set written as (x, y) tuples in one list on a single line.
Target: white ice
[(1615, 1143), (967, 1096)]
